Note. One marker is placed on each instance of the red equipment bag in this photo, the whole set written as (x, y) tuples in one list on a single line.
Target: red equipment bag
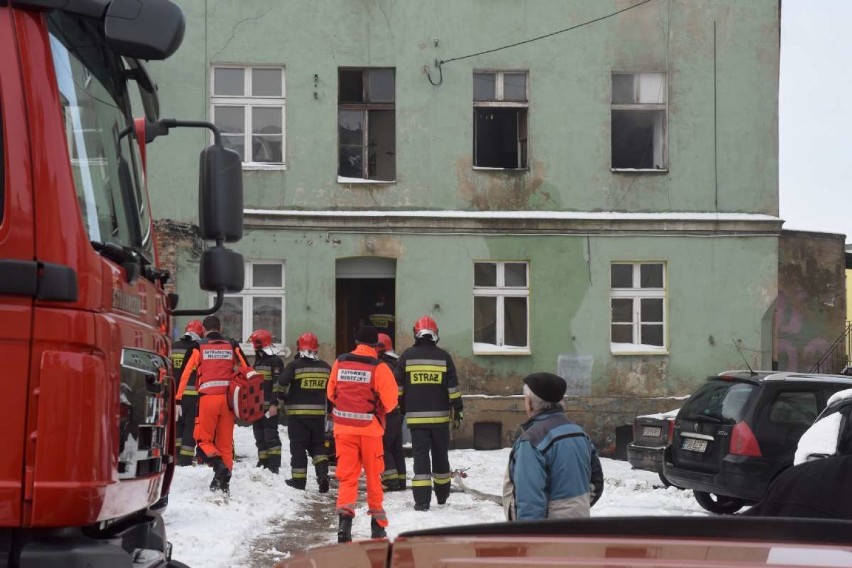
[(245, 395)]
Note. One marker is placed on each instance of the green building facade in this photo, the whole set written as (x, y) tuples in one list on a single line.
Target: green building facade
[(601, 203)]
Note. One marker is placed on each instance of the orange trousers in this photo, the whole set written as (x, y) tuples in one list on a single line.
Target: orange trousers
[(214, 428), (353, 453)]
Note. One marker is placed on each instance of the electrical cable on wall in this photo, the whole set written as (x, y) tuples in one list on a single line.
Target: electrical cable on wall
[(439, 63)]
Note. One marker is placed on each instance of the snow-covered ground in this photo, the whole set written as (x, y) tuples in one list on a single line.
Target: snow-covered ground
[(208, 532)]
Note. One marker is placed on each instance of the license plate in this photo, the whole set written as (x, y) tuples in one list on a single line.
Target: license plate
[(651, 431), (693, 445)]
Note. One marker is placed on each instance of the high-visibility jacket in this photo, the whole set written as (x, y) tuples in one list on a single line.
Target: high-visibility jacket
[(181, 349), (271, 367), (215, 361), (430, 387), (303, 385), (361, 394)]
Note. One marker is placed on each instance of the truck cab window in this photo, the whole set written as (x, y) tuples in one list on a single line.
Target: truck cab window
[(100, 137)]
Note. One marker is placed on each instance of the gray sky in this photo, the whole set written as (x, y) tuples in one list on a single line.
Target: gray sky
[(815, 117)]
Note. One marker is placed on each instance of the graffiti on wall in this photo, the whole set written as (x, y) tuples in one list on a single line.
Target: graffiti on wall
[(797, 345)]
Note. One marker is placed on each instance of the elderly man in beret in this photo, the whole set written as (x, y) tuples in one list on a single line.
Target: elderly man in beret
[(554, 470)]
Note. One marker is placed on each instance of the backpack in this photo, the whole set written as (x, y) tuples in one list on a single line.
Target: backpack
[(245, 395)]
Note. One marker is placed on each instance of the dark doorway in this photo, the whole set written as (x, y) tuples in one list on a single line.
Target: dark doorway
[(364, 301)]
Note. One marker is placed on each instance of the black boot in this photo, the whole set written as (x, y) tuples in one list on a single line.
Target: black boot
[(225, 483), (219, 472), (296, 483), (376, 530), (322, 477), (344, 529)]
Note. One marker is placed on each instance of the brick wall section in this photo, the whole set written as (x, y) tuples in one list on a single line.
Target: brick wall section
[(172, 237)]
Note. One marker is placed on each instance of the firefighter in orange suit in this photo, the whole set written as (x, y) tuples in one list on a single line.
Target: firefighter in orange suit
[(215, 361), (361, 388)]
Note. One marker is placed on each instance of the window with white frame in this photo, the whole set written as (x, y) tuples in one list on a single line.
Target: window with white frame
[(259, 306), (501, 294), (366, 120), (638, 307), (248, 109), (639, 121), (500, 108)]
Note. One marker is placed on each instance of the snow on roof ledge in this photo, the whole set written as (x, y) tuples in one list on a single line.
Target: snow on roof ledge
[(564, 215)]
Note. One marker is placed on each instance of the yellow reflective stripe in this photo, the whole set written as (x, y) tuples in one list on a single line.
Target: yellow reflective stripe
[(319, 459), (190, 392), (312, 375), (455, 395), (300, 475), (275, 451), (306, 412), (429, 420), (440, 481), (421, 483), (431, 368)]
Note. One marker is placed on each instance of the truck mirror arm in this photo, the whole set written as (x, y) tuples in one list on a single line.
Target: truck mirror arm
[(164, 125), (220, 299)]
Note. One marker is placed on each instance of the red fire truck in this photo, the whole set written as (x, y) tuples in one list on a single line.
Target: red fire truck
[(87, 391)]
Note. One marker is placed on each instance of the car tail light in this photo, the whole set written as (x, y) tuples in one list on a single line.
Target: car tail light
[(671, 431), (743, 442)]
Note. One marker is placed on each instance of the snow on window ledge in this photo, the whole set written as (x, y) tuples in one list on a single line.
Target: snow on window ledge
[(263, 166), (636, 349), (341, 179), (491, 349)]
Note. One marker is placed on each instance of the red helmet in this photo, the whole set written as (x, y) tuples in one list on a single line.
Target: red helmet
[(307, 342), (260, 339), (426, 326), (195, 327), (385, 343)]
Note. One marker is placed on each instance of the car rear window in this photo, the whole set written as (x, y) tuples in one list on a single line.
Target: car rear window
[(794, 408), (722, 400)]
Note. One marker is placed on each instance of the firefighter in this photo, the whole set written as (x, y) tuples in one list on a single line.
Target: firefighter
[(270, 365), (431, 399), (361, 387), (188, 408), (381, 317), (215, 361), (393, 477), (302, 390)]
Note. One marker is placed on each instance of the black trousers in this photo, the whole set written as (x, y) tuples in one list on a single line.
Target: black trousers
[(268, 442), (394, 474), (307, 438), (184, 439), (434, 441)]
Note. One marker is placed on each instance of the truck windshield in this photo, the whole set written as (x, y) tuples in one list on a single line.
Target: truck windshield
[(101, 142)]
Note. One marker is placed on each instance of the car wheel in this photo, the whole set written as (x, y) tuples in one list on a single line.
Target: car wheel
[(719, 504), (666, 482)]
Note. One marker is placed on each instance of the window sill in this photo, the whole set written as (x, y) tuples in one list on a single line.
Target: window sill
[(633, 349), (258, 166), (362, 181), (639, 170), (495, 350), (510, 170)]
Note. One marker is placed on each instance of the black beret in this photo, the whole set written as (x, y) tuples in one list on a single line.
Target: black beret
[(547, 386), (367, 335)]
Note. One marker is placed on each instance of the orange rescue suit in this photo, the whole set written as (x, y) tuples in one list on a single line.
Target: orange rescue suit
[(361, 445)]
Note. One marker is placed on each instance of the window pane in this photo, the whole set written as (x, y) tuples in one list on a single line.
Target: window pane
[(235, 143), (495, 133), (266, 82), (484, 274), (515, 324), (485, 320), (623, 91), (266, 276), (514, 86), (351, 127), (266, 120), (231, 315), (351, 162), (622, 333), (652, 310), (515, 274), (350, 86), (230, 119), (484, 87), (380, 85), (622, 310), (621, 276), (651, 276), (266, 149), (637, 139), (794, 408), (652, 88), (381, 140), (652, 335), (266, 314), (228, 82)]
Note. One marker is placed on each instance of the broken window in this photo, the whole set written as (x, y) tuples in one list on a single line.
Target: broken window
[(638, 307), (501, 306), (500, 109), (367, 124), (639, 121), (248, 109)]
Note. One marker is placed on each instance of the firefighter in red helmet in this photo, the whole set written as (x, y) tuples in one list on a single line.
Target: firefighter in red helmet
[(393, 477), (431, 399), (362, 388), (187, 410), (269, 364), (302, 390)]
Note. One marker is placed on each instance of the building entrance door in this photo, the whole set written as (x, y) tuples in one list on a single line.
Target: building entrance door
[(365, 295)]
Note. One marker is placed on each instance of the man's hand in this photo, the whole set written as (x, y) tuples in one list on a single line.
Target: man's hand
[(178, 411), (458, 416), (273, 410)]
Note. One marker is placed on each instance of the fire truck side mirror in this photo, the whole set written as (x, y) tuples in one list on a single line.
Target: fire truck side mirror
[(220, 195), (221, 270), (144, 30)]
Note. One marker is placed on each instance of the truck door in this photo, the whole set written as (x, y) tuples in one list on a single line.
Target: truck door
[(18, 272)]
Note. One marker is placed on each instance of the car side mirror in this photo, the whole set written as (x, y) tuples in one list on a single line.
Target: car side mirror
[(220, 194), (144, 30), (221, 269)]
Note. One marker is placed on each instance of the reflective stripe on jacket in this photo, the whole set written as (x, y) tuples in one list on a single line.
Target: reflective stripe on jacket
[(384, 388), (303, 387), (428, 385), (355, 399)]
